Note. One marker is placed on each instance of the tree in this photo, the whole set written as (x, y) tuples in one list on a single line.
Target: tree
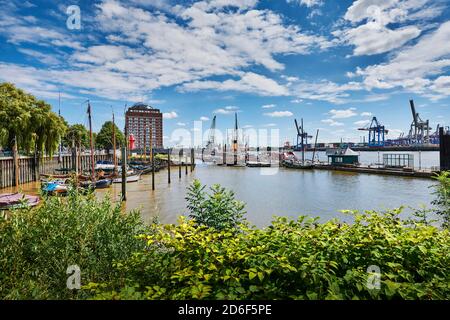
[(28, 122), (77, 134), (104, 138), (218, 210)]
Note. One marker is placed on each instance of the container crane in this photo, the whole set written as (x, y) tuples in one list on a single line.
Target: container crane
[(377, 133), (419, 132), (210, 145)]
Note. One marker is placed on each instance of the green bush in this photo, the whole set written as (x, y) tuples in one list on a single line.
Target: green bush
[(300, 259), (442, 201), (219, 210), (37, 245)]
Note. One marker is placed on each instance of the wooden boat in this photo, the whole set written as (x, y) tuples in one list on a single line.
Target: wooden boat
[(298, 165), (256, 164), (10, 201), (130, 179), (100, 184), (55, 188)]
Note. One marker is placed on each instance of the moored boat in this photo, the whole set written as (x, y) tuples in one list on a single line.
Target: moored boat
[(11, 201), (100, 184), (297, 165), (129, 179)]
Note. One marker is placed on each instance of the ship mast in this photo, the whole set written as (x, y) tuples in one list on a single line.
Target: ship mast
[(114, 143), (91, 142), (235, 139)]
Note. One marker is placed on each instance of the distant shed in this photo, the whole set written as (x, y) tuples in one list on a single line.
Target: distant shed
[(339, 157)]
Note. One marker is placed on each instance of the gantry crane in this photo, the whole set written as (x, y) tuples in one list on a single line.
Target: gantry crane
[(377, 133), (419, 132), (210, 145)]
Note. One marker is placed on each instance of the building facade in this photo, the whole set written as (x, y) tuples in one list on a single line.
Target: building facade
[(142, 121)]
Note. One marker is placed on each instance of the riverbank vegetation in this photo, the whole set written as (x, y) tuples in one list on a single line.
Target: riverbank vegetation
[(220, 256)]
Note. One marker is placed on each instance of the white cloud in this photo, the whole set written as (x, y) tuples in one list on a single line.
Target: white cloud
[(170, 115), (249, 83), (181, 124), (412, 66), (308, 3), (279, 114), (374, 38), (375, 33), (362, 123), (332, 123), (325, 90), (182, 45), (204, 119), (227, 110), (342, 114), (366, 114), (269, 106)]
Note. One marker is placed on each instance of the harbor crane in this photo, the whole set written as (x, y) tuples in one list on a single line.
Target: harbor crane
[(302, 139), (377, 133), (210, 145), (302, 136), (419, 132)]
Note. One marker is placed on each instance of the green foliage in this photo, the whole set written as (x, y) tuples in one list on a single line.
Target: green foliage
[(28, 120), (37, 245), (77, 134), (219, 210), (442, 193), (300, 259), (104, 138)]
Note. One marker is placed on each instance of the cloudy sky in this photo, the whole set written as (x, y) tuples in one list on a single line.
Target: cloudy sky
[(334, 63)]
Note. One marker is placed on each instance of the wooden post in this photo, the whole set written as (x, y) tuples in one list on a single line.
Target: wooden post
[(16, 163), (168, 166), (114, 145), (124, 173), (180, 155), (186, 165), (152, 158), (225, 154), (192, 159), (36, 166)]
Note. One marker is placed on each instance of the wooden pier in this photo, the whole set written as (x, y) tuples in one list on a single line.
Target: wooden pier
[(31, 168), (380, 171)]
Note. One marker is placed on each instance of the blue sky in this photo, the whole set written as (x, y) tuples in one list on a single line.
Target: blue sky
[(334, 63)]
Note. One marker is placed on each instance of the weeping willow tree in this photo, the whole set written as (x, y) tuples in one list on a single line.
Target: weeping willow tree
[(27, 124)]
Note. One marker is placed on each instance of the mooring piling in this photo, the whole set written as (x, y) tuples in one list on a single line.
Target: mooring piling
[(124, 173), (168, 166)]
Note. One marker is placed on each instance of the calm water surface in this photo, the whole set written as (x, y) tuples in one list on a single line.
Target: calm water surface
[(287, 193)]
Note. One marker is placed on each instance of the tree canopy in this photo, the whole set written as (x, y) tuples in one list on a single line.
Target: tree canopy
[(76, 133), (105, 136), (29, 120)]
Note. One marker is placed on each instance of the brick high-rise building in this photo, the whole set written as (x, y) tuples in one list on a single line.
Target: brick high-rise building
[(142, 119)]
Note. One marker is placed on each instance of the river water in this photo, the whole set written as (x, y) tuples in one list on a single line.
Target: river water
[(285, 192)]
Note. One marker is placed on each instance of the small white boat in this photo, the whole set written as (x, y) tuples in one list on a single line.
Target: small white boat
[(132, 178)]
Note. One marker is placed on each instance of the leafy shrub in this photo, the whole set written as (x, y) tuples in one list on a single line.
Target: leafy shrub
[(442, 193), (300, 259), (219, 210), (37, 245)]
